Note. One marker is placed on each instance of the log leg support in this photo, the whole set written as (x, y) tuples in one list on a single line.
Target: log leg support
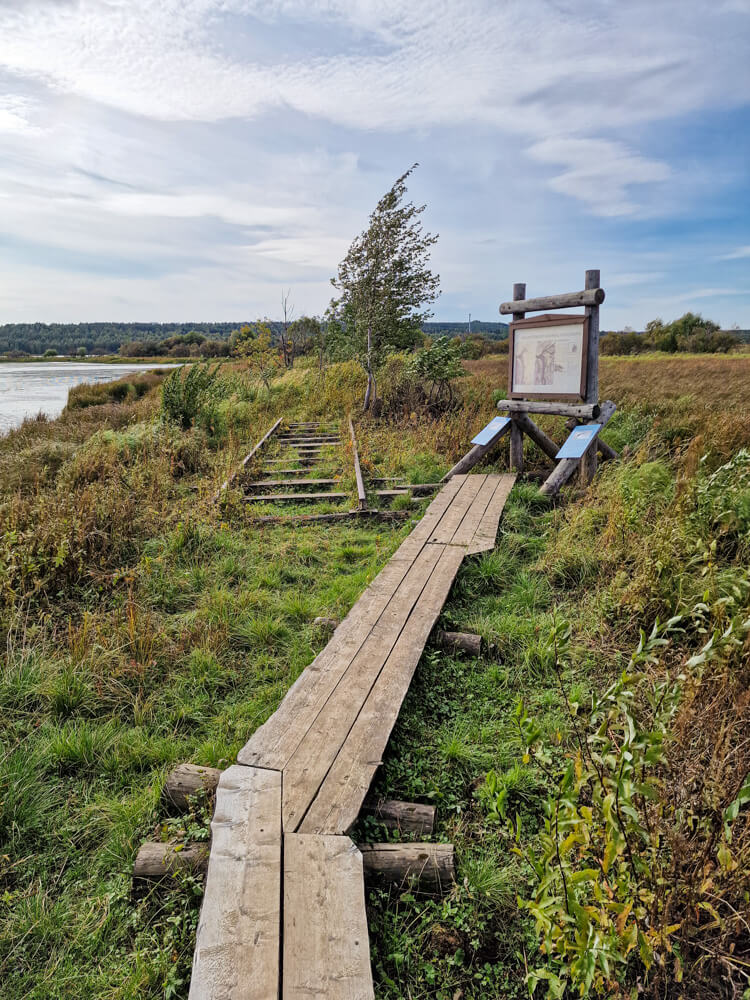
[(186, 781), (463, 642), (431, 866)]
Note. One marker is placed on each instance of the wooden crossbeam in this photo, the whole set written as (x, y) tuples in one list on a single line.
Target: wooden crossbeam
[(294, 497)]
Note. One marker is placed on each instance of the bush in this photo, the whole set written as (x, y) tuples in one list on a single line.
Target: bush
[(186, 393)]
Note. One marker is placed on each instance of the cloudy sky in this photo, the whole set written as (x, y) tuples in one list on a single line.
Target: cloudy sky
[(188, 159)]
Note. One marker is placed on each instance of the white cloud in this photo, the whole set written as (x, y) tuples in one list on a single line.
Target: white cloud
[(599, 172), (15, 114), (741, 253)]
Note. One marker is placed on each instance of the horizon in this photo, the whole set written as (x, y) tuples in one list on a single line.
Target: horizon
[(208, 157)]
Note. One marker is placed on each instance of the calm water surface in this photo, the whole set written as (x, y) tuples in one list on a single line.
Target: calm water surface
[(27, 389)]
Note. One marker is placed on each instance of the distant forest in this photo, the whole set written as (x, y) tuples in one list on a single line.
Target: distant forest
[(106, 338)]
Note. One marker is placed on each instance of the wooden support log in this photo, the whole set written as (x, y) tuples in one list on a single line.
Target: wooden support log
[(411, 817), (326, 623), (588, 463), (473, 457), (537, 435), (516, 445), (565, 468), (606, 450), (464, 642), (156, 862), (188, 781), (567, 300), (432, 866), (584, 411)]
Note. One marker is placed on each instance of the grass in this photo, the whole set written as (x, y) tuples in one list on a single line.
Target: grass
[(144, 626)]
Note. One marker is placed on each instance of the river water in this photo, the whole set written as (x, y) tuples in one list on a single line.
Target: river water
[(29, 388)]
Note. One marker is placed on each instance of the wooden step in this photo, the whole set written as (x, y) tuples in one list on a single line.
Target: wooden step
[(295, 497), (289, 472), (310, 437), (416, 489), (274, 483)]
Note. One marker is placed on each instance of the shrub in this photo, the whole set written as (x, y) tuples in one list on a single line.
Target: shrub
[(439, 365), (186, 393)]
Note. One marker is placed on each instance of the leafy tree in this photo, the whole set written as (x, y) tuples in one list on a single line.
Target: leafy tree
[(81, 352), (50, 353), (263, 359), (439, 364), (384, 283), (306, 334)]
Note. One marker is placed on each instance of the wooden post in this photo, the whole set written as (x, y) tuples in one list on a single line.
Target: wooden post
[(361, 495), (516, 435), (588, 462)]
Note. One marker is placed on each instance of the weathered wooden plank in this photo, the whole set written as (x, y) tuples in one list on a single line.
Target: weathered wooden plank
[(293, 497), (287, 472), (486, 533), (567, 300), (237, 944), (320, 744), (457, 510), (434, 513), (276, 740), (345, 787), (326, 946), (471, 521), (271, 483)]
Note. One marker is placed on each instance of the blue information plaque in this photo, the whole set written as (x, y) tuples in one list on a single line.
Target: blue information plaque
[(578, 441), (493, 428)]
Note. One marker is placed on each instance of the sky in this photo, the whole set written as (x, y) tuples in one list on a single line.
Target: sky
[(190, 160)]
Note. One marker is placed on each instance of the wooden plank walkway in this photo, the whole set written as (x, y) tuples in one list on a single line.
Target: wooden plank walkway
[(284, 911)]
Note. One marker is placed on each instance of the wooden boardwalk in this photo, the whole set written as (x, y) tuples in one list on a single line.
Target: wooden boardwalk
[(284, 908)]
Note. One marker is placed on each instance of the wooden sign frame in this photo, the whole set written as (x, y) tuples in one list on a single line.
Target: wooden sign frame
[(552, 319)]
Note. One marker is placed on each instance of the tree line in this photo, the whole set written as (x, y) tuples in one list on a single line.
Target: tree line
[(690, 333)]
